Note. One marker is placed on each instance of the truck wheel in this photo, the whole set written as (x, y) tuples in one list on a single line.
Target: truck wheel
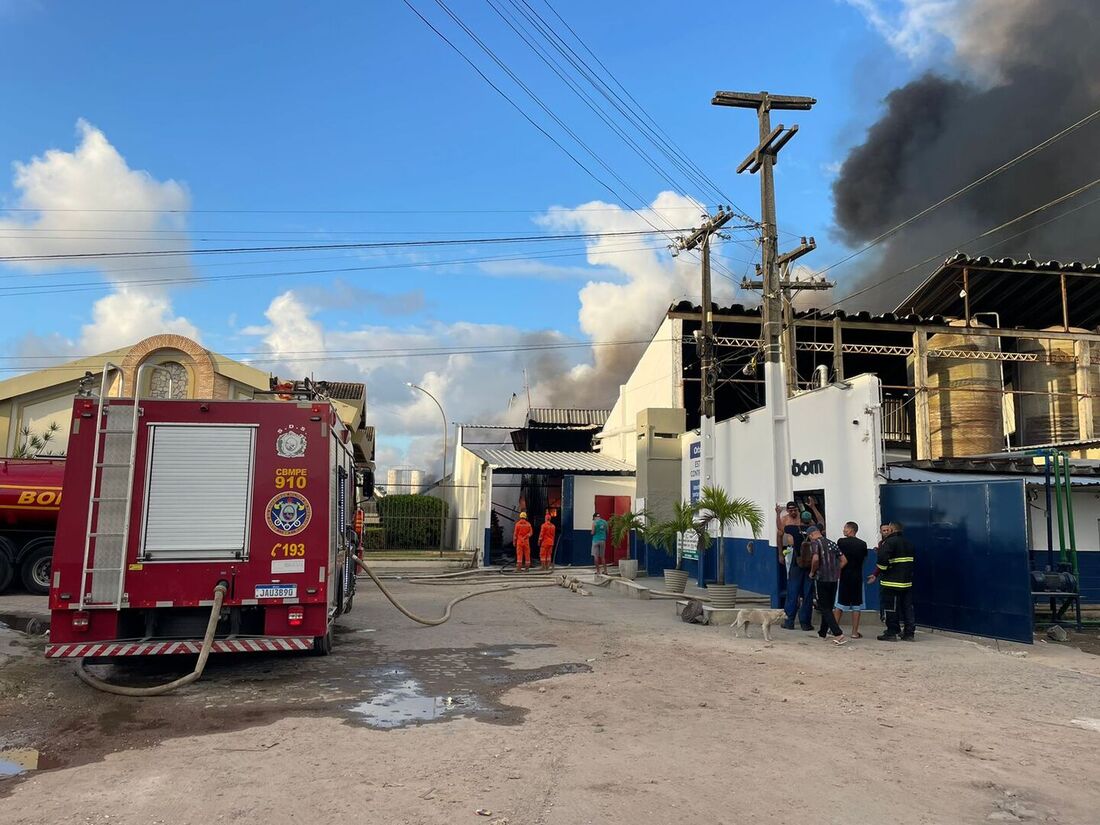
[(322, 645), (34, 569), (7, 572)]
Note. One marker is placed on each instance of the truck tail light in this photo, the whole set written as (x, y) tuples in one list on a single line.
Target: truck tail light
[(80, 620), (295, 616)]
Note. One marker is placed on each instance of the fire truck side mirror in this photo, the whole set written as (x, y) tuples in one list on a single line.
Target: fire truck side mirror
[(368, 484)]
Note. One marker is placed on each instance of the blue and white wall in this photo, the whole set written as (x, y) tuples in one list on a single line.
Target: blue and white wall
[(1086, 522), (838, 426)]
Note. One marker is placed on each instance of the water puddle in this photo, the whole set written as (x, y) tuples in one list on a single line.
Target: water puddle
[(31, 625), (16, 762), (436, 685), (407, 703)]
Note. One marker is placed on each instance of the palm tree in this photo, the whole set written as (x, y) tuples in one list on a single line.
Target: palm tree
[(666, 534), (622, 525), (716, 505), (32, 444)]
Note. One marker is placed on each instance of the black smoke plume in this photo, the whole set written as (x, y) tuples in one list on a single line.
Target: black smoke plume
[(1027, 68)]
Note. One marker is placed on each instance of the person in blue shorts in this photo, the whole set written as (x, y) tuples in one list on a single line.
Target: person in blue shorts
[(599, 543), (849, 598)]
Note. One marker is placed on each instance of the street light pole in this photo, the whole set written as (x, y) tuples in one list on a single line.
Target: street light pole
[(444, 415)]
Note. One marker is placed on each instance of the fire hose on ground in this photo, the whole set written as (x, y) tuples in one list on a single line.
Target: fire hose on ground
[(450, 605), (159, 690), (212, 625)]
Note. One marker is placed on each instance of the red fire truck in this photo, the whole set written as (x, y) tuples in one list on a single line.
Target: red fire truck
[(165, 500), (30, 498)]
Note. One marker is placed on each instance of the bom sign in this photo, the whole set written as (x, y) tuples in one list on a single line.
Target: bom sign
[(807, 468)]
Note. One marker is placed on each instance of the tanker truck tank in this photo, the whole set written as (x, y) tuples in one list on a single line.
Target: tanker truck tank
[(30, 499)]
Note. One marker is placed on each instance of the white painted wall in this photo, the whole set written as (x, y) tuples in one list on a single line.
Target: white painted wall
[(822, 429), (585, 490), (657, 381), (467, 511), (1086, 518), (38, 411)]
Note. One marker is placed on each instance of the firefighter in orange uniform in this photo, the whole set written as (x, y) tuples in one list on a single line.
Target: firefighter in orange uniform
[(521, 538), (546, 542)]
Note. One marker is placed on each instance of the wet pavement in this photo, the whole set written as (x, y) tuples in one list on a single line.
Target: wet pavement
[(365, 682)]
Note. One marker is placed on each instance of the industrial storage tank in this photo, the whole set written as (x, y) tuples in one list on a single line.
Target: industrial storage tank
[(1049, 394), (965, 396)]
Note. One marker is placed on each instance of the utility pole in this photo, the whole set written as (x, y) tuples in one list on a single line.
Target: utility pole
[(762, 159), (701, 238), (790, 287)]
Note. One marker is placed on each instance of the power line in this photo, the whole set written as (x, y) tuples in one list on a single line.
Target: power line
[(958, 193), (549, 35), (503, 66), (312, 247), (95, 286), (667, 140), (373, 354), (539, 210)]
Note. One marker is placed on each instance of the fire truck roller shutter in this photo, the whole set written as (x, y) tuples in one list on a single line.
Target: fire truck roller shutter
[(199, 488)]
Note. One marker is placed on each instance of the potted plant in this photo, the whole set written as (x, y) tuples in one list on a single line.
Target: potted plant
[(624, 526), (717, 507), (666, 535)]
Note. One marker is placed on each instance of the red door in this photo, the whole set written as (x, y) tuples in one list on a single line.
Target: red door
[(608, 506)]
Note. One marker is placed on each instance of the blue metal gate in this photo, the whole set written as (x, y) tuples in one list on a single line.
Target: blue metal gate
[(972, 569)]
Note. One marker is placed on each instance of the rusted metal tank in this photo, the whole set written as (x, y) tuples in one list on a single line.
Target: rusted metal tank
[(965, 396)]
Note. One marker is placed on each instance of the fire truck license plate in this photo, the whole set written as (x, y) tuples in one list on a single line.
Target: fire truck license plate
[(276, 591)]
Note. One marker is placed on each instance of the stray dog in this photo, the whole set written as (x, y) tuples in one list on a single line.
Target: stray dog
[(764, 618)]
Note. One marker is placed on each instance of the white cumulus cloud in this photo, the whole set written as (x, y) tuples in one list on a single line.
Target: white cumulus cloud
[(65, 201), (628, 288), (913, 28)]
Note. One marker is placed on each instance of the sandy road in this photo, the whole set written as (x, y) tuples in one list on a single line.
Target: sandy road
[(569, 710)]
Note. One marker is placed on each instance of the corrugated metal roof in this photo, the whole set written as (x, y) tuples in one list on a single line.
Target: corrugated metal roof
[(562, 462), (1002, 285), (1082, 471), (566, 416)]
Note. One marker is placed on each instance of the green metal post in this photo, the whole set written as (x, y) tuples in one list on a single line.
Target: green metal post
[(1058, 503), (1069, 515)]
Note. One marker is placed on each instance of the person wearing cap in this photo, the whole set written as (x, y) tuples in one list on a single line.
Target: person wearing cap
[(826, 563), (894, 570), (599, 542), (546, 541), (521, 538)]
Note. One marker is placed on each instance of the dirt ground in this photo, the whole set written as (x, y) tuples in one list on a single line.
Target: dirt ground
[(542, 706)]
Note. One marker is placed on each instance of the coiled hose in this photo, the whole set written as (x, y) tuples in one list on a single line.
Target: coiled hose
[(450, 605), (160, 690)]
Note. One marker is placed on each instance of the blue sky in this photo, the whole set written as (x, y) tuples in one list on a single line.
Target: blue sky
[(283, 123)]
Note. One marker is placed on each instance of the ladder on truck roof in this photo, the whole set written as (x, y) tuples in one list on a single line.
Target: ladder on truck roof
[(111, 495)]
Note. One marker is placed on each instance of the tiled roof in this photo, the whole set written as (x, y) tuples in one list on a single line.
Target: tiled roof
[(552, 461), (345, 390)]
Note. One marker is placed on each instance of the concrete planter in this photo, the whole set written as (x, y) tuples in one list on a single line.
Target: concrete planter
[(676, 581), (722, 596), (628, 569)]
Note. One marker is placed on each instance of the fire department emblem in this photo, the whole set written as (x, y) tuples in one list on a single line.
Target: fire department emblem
[(288, 514), (291, 442)]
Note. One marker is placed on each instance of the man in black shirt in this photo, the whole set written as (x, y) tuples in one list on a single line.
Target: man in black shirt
[(849, 597)]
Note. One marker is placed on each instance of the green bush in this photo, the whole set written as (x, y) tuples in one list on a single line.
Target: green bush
[(412, 522), (374, 538)]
